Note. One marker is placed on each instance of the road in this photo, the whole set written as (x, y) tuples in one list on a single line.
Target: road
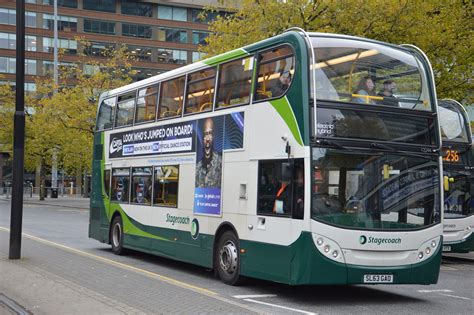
[(55, 247)]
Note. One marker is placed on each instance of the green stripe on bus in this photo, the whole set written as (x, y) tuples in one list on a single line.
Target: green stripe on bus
[(283, 108), (226, 56), (132, 227)]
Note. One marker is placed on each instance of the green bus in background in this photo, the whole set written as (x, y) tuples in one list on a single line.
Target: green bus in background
[(458, 169), (305, 158)]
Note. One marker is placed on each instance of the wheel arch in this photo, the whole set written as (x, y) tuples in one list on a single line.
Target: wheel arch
[(115, 214), (221, 229)]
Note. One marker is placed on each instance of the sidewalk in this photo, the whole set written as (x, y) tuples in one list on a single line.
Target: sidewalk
[(66, 202)]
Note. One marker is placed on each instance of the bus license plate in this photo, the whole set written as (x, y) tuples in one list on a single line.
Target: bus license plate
[(378, 278), (446, 248)]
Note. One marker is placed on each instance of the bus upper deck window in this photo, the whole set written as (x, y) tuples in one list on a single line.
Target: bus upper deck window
[(276, 68), (171, 98), (105, 119), (235, 81), (125, 109), (200, 91), (146, 104)]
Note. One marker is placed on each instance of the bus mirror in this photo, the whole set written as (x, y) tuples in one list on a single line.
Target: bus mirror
[(286, 172)]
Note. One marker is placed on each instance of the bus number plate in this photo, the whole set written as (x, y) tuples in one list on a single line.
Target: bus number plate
[(446, 248), (378, 278)]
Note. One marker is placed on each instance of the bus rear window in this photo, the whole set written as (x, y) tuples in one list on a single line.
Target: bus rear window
[(105, 118)]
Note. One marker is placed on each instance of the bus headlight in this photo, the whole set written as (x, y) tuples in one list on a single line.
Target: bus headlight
[(420, 255), (428, 250), (328, 248), (433, 244)]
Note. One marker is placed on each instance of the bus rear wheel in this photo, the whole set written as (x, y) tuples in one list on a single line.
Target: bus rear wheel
[(116, 236), (227, 258)]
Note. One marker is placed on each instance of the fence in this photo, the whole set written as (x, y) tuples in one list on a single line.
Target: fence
[(33, 192)]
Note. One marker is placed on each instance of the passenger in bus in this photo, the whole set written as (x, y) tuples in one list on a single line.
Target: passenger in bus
[(389, 99), (283, 83), (209, 168), (364, 90)]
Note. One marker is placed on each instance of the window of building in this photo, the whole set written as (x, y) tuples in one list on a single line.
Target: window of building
[(125, 109), (173, 56), (48, 66), (199, 38), (141, 183), (235, 82), (171, 98), (99, 5), (132, 7), (165, 190), (8, 16), (67, 45), (198, 56), (199, 16), (146, 104), (99, 27), (65, 23), (8, 41), (200, 91), (97, 49), (172, 13), (275, 72), (8, 65), (105, 118), (140, 53), (62, 3), (173, 35), (91, 69), (281, 188), (143, 73), (120, 184), (135, 30)]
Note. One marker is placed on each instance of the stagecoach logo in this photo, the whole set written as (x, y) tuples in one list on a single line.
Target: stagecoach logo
[(195, 229), (379, 240), (115, 145)]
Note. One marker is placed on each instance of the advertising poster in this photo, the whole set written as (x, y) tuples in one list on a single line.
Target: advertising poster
[(214, 134), (172, 138)]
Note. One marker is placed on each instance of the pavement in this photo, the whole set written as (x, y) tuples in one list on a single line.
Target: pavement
[(66, 201)]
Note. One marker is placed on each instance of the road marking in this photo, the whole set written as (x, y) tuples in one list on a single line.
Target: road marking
[(118, 264), (255, 296), (455, 296), (282, 307), (429, 291)]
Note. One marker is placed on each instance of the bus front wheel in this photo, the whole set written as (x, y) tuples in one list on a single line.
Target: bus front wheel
[(116, 236), (228, 258)]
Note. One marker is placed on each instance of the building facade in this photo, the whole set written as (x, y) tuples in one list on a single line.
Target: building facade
[(162, 34)]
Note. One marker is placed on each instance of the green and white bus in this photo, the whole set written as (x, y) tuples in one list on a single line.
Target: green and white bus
[(458, 170), (271, 161)]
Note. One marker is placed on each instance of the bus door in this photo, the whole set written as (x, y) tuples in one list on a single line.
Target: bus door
[(280, 202)]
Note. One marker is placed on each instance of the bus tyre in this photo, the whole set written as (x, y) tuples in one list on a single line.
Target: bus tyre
[(228, 258), (116, 236)]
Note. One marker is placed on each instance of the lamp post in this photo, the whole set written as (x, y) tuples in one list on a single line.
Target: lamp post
[(18, 137)]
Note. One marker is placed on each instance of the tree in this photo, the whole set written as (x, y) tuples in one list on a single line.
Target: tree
[(443, 29), (60, 118)]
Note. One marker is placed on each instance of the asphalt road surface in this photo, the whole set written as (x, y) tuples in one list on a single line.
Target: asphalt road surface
[(55, 244)]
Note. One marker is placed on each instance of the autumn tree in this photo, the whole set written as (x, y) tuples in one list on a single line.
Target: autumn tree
[(60, 118), (443, 29)]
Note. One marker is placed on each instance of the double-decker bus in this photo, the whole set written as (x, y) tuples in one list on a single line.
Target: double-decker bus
[(458, 170), (286, 160)]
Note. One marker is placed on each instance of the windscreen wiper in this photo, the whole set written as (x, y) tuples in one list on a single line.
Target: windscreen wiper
[(376, 145), (332, 144)]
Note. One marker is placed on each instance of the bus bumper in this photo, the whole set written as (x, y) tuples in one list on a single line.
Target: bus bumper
[(465, 246)]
